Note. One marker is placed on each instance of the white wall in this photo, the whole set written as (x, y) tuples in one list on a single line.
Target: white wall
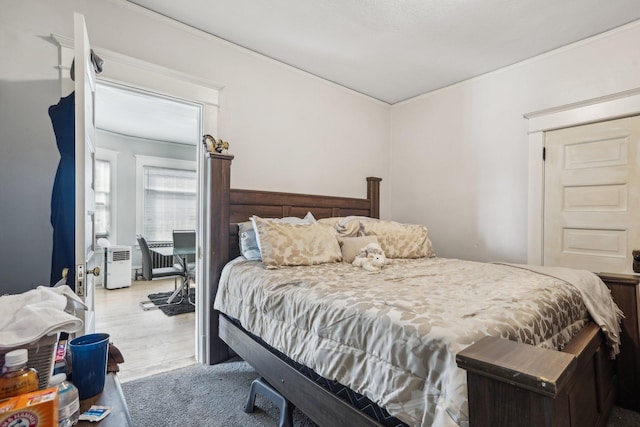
[(460, 160), (288, 130)]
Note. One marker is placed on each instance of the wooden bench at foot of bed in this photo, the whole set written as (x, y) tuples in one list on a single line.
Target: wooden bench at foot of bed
[(517, 384)]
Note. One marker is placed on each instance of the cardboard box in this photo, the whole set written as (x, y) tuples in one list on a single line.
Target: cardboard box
[(36, 409)]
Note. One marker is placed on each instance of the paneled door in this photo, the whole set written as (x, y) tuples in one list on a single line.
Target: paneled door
[(85, 88), (592, 196)]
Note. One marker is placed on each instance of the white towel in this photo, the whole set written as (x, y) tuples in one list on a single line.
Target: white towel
[(29, 316)]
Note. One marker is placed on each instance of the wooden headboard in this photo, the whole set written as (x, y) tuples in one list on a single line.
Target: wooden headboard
[(227, 207)]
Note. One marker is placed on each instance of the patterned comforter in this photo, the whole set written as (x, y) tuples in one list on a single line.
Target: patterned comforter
[(393, 336)]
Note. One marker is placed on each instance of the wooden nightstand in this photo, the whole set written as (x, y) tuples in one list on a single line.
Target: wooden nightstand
[(625, 289)]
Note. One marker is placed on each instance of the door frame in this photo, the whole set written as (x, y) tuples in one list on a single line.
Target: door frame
[(137, 74), (615, 106)]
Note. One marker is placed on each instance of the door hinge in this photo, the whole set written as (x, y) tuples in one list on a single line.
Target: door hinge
[(544, 153)]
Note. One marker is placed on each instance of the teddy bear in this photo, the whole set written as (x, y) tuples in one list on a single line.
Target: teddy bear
[(371, 258)]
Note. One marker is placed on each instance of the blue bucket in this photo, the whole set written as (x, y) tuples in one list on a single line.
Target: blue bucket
[(89, 355)]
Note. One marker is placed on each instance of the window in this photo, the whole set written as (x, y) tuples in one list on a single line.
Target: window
[(169, 202), (103, 198)]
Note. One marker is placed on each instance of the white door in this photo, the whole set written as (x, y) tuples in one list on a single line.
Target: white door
[(592, 196), (85, 87)]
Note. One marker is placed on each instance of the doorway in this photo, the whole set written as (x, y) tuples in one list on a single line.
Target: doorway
[(135, 73), (592, 194), (146, 185), (611, 107)]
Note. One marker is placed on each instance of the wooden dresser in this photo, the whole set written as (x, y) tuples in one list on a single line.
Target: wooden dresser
[(625, 289)]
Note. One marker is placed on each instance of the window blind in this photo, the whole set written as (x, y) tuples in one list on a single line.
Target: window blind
[(169, 202)]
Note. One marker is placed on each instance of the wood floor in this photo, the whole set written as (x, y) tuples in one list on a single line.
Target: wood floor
[(149, 341)]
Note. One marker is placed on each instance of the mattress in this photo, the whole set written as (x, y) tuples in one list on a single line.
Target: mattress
[(392, 336)]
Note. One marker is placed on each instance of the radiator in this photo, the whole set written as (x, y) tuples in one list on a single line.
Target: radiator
[(158, 260)]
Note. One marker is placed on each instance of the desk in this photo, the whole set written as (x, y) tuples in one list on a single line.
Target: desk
[(181, 255), (111, 396)]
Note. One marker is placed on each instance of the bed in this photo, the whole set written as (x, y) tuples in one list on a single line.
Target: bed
[(508, 382)]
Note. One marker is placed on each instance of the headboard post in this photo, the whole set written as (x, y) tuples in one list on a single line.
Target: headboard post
[(218, 176), (373, 194)]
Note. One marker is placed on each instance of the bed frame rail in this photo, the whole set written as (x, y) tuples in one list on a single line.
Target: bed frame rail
[(317, 403)]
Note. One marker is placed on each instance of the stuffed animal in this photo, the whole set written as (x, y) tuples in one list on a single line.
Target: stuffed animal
[(371, 248), (215, 146), (221, 146), (209, 142), (371, 258), (371, 262)]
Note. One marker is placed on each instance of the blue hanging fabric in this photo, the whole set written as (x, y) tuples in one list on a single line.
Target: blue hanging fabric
[(64, 192)]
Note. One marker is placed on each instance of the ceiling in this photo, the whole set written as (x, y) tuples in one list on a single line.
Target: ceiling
[(394, 50), (145, 115), (391, 50)]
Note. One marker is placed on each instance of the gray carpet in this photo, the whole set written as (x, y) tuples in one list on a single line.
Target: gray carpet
[(202, 396), (214, 396)]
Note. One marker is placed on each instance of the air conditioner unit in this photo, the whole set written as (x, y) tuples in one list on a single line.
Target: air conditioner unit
[(117, 267)]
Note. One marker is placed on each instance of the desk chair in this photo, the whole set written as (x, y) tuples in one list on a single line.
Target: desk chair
[(150, 273), (185, 240)]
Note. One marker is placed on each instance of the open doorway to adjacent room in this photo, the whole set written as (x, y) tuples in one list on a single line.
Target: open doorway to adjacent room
[(146, 186)]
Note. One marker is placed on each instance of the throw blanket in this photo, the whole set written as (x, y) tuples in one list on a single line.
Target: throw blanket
[(29, 316), (596, 297)]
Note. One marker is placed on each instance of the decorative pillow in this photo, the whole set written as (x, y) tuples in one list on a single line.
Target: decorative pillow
[(351, 246), (399, 240), (295, 244), (346, 226), (248, 243), (349, 226), (308, 219)]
